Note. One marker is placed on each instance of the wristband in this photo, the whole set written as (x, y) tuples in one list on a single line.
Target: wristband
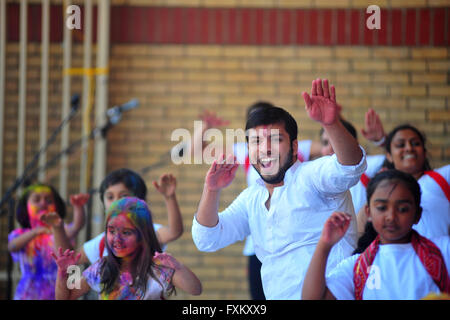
[(379, 142)]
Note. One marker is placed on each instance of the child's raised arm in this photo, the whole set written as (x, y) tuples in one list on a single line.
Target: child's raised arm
[(314, 285), (64, 260), (21, 241), (373, 128), (78, 202), (183, 278), (166, 186)]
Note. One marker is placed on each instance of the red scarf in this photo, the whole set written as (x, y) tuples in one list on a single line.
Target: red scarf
[(429, 254)]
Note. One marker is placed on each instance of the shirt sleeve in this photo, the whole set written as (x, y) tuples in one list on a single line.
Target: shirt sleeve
[(14, 234), (443, 243), (330, 177), (92, 248), (340, 280), (304, 147), (232, 226), (92, 276)]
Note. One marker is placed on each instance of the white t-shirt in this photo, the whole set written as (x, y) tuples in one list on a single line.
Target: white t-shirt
[(435, 220), (396, 274), (92, 247), (157, 289), (241, 152)]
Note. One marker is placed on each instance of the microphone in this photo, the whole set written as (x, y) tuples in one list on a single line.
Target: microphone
[(117, 110), (75, 101)]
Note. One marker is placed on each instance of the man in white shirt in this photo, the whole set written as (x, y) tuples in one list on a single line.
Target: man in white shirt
[(285, 211)]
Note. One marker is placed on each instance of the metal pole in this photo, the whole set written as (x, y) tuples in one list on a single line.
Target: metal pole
[(44, 83), (101, 103), (2, 81), (87, 84), (87, 46), (22, 90), (67, 54)]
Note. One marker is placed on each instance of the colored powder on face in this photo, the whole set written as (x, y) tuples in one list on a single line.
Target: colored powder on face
[(35, 214), (37, 189)]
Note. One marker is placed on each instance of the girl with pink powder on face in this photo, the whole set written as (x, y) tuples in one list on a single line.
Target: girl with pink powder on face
[(135, 268), (40, 212)]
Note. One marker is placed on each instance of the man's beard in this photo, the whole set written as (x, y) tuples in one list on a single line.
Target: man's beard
[(279, 176)]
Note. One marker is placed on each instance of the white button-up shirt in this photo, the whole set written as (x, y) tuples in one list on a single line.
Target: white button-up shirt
[(285, 236)]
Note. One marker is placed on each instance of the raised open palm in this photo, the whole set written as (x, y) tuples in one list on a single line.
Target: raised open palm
[(65, 259), (51, 219), (373, 127), (211, 120), (221, 173), (321, 105), (79, 199), (167, 185)]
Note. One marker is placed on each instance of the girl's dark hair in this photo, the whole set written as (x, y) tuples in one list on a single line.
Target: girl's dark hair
[(129, 178), (22, 209), (140, 216), (266, 114), (391, 135), (391, 175)]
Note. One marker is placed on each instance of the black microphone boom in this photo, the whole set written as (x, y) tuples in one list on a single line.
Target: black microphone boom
[(20, 180), (134, 103)]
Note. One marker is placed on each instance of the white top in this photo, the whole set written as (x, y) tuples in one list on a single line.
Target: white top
[(358, 191), (241, 152), (396, 274), (156, 289), (92, 247), (286, 235), (435, 220)]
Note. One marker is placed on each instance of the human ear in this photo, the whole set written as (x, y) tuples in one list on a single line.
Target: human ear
[(418, 215), (367, 212), (295, 149), (389, 157)]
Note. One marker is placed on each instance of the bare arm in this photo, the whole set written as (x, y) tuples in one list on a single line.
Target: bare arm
[(62, 241), (174, 230), (21, 241), (219, 176), (314, 286), (315, 150), (78, 202), (361, 220), (60, 236), (183, 278), (187, 281), (62, 290), (321, 106)]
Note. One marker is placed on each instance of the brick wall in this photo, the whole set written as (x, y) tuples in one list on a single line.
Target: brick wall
[(179, 67)]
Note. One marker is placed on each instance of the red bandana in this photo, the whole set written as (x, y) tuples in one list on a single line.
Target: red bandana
[(429, 254)]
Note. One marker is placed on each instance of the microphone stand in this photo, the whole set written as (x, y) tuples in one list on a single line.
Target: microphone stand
[(20, 180), (102, 131)]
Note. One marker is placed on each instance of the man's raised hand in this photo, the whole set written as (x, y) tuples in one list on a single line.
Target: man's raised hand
[(321, 105), (221, 173)]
